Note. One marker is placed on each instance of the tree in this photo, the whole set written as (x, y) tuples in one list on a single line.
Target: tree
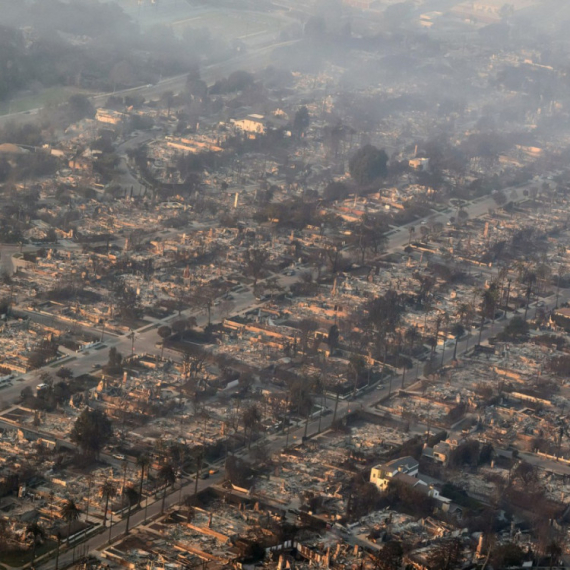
[(92, 431), (306, 327), (167, 99), (507, 555), (333, 337), (167, 477), (554, 552), (127, 301), (64, 373), (251, 419), (517, 329), (457, 330), (301, 121), (255, 260), (58, 538), (79, 107), (448, 555), (132, 496), (163, 332), (336, 191), (526, 473), (143, 461), (35, 532), (389, 557), (238, 471), (462, 215), (115, 362), (179, 326), (368, 164), (500, 198), (70, 513), (370, 233), (107, 491), (467, 453)]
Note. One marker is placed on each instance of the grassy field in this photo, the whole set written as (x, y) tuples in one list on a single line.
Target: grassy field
[(229, 25), (48, 96)]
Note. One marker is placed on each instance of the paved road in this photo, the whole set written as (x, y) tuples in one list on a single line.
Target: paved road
[(295, 435), (475, 209), (250, 61)]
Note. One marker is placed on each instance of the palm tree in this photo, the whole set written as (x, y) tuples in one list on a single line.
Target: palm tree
[(458, 330), (143, 461), (35, 532), (251, 418), (70, 513), (107, 491), (167, 476), (58, 538), (131, 495)]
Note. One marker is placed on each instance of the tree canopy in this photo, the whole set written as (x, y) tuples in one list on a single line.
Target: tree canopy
[(92, 431), (368, 164)]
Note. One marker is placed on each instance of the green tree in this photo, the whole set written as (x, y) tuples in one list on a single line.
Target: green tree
[(368, 164), (92, 431)]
